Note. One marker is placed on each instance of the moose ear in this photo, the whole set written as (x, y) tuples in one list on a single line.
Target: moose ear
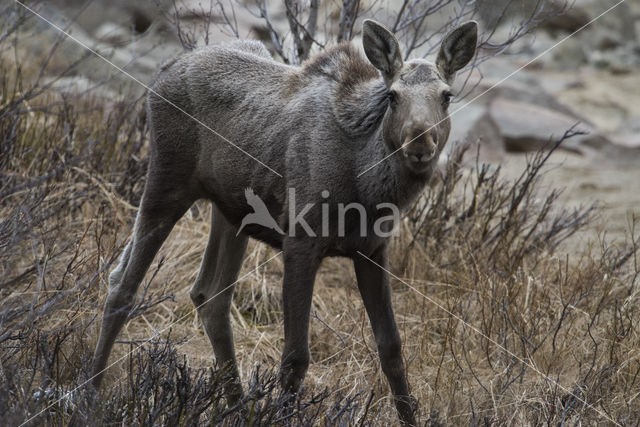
[(382, 49), (457, 49)]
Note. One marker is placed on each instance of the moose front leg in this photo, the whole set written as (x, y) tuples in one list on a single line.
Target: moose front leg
[(373, 283), (300, 266)]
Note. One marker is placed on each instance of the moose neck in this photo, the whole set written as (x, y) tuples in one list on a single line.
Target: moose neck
[(360, 108)]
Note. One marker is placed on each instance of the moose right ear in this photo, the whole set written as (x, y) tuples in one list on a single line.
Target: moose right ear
[(382, 49), (458, 47)]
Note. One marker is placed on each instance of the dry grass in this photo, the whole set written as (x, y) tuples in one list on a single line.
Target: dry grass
[(498, 324)]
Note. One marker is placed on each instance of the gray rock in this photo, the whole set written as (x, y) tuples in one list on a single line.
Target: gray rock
[(521, 85), (568, 55), (630, 125), (473, 125), (568, 21), (527, 127), (610, 40), (628, 133), (628, 140), (612, 29), (491, 12), (622, 60)]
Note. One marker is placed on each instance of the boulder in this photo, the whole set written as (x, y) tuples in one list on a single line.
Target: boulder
[(621, 60), (606, 99), (630, 125), (628, 140), (527, 127), (568, 55), (493, 12), (565, 20), (628, 133), (473, 125), (504, 78), (614, 28)]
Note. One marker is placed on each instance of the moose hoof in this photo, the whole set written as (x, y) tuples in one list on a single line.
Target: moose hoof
[(290, 381), (234, 395), (407, 407), (292, 373)]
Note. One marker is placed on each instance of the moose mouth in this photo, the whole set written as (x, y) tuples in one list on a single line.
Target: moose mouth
[(418, 162)]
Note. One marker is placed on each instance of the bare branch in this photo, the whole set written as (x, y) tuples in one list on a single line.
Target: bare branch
[(348, 16), (230, 21), (303, 35), (275, 37)]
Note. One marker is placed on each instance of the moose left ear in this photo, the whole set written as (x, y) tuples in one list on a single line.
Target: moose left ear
[(382, 49), (457, 49)]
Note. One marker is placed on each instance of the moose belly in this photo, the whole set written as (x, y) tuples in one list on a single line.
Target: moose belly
[(266, 235)]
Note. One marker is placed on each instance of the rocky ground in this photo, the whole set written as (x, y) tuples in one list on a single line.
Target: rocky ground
[(592, 79)]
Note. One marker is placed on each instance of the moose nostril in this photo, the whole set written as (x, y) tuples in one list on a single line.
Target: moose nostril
[(419, 156)]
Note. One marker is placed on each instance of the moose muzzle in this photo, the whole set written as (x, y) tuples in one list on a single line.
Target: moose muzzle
[(420, 146)]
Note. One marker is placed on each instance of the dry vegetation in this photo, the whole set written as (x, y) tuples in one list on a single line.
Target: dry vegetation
[(498, 324)]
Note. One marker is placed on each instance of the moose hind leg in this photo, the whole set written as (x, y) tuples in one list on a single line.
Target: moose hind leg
[(154, 222), (116, 275), (212, 294)]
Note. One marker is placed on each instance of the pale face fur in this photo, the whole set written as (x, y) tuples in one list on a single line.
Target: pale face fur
[(417, 121)]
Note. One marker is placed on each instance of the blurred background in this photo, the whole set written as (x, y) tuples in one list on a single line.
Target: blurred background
[(543, 79)]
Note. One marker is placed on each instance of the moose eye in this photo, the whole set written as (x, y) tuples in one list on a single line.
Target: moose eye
[(446, 98)]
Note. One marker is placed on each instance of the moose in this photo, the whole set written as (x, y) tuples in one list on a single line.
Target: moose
[(227, 118)]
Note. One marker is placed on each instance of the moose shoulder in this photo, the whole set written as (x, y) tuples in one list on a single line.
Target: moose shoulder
[(260, 137)]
